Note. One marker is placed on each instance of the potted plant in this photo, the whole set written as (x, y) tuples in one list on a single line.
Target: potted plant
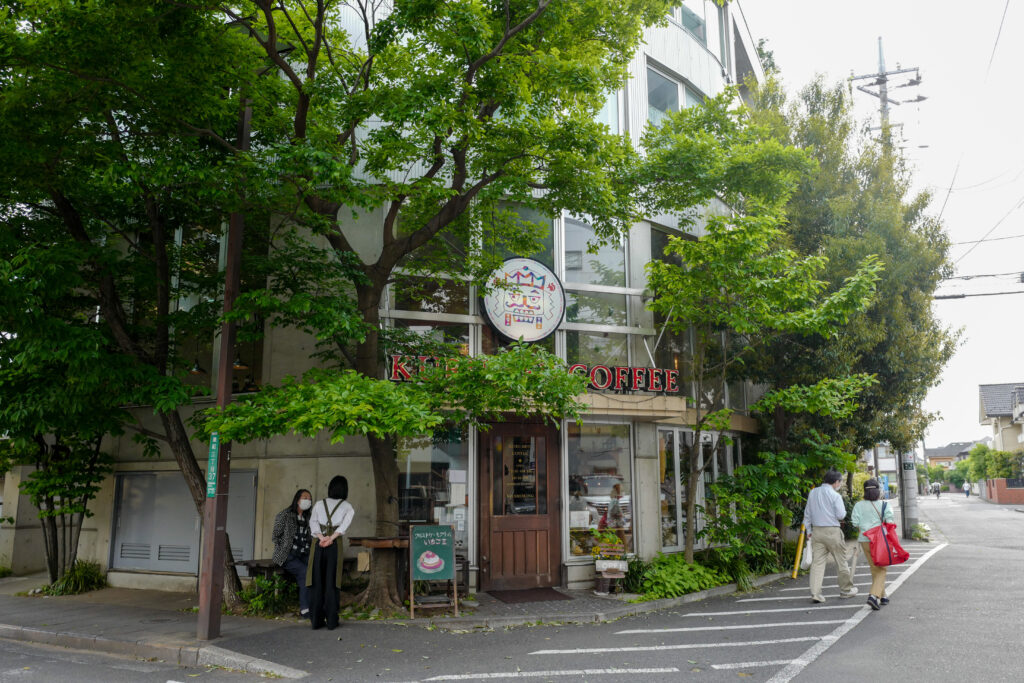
[(610, 565)]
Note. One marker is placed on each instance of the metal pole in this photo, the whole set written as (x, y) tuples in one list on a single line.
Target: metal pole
[(215, 513), (908, 502)]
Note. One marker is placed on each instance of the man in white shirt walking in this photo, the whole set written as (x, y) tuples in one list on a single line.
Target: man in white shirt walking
[(822, 515)]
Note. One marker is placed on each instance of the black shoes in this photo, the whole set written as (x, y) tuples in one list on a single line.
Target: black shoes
[(883, 602), (873, 603)]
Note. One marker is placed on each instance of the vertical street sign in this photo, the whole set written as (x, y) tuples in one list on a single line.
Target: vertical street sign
[(211, 466)]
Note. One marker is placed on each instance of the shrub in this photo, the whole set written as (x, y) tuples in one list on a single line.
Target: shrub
[(81, 578), (635, 572), (670, 576), (5, 572), (920, 532), (265, 597)]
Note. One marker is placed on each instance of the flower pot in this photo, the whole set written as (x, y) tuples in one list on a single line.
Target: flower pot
[(602, 584)]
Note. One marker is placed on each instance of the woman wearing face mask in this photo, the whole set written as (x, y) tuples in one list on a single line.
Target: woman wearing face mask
[(291, 543)]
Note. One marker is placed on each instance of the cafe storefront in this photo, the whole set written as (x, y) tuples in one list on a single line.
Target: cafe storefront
[(525, 497)]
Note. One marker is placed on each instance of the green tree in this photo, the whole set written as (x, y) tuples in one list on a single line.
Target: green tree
[(978, 460), (857, 203), (737, 288), (936, 473), (422, 122)]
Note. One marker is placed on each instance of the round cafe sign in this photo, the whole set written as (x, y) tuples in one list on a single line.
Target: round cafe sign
[(526, 300)]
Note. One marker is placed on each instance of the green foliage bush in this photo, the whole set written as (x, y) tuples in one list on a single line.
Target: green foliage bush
[(5, 572), (920, 532), (635, 572), (81, 578), (267, 597), (670, 576)]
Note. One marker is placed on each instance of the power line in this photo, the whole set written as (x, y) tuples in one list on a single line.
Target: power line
[(996, 42), (991, 239), (971, 277), (967, 296), (1016, 205)]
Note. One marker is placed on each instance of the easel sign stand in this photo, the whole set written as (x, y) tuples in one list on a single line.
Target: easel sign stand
[(432, 558)]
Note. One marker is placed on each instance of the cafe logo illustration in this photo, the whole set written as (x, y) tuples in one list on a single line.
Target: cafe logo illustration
[(430, 562), (527, 300)]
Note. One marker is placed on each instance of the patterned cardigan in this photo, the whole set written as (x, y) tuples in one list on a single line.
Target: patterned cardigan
[(286, 525)]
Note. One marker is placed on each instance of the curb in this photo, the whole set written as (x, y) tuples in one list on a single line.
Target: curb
[(611, 614), (182, 655)]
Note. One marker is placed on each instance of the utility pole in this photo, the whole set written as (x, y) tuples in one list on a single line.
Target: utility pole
[(881, 81), (908, 492), (215, 513)]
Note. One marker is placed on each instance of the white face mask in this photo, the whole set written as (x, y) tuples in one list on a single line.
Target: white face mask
[(305, 504)]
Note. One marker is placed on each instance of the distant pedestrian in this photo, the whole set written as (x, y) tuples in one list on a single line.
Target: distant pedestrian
[(867, 514), (291, 543), (967, 489), (822, 515), (330, 519), (936, 489)]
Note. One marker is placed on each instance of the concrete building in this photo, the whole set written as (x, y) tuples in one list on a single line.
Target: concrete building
[(522, 489)]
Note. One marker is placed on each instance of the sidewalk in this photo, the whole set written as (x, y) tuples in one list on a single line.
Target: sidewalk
[(159, 625)]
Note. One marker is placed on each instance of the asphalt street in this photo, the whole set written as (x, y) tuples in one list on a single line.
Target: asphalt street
[(32, 663), (775, 634)]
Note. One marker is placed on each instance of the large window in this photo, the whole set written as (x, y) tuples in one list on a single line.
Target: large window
[(664, 95), (600, 484), (605, 266), (432, 476), (674, 447), (596, 348)]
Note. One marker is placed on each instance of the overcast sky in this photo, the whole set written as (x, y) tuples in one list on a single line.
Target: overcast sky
[(971, 124)]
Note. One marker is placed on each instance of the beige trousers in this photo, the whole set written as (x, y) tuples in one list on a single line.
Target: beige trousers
[(877, 573), (826, 542)]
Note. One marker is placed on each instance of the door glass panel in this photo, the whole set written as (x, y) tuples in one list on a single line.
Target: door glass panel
[(519, 473), (667, 495)]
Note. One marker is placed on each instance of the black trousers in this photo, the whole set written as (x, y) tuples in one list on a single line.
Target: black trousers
[(323, 599)]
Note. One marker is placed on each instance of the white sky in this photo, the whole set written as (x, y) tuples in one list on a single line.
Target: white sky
[(972, 117)]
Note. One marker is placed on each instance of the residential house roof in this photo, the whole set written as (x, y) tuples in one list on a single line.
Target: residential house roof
[(997, 399)]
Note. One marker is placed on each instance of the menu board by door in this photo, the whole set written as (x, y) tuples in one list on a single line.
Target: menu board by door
[(431, 558)]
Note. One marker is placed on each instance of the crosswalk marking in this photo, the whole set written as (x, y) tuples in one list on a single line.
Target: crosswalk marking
[(792, 597), (683, 646), (726, 628), (548, 674), (751, 665), (809, 608)]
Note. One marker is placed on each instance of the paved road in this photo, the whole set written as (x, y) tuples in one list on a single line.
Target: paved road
[(31, 663), (961, 618), (771, 635)]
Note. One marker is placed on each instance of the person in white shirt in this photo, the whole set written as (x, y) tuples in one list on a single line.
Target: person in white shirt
[(822, 515), (329, 519)]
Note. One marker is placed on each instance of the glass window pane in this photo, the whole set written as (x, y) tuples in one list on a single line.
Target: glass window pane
[(424, 294), (598, 308), (432, 477), (600, 484), (450, 334), (662, 96), (692, 19), (693, 98), (667, 496), (609, 114), (596, 348), (518, 466), (607, 266), (546, 254)]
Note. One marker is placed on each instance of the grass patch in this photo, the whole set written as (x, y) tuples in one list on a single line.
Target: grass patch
[(81, 578)]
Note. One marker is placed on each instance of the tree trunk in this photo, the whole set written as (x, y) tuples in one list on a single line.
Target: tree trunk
[(693, 480), (382, 591), (50, 546)]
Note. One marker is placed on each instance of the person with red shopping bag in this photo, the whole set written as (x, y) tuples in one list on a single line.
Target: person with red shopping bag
[(877, 539)]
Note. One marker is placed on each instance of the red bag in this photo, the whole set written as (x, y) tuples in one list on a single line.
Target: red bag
[(885, 546)]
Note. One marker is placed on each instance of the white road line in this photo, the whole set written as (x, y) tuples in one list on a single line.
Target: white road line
[(804, 588), (792, 597), (809, 608), (815, 651), (684, 646), (547, 674), (726, 628), (751, 665)]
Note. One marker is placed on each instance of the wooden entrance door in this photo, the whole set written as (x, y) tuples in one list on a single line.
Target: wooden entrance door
[(519, 507)]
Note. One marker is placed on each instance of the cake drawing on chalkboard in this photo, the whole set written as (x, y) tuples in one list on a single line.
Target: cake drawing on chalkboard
[(429, 562)]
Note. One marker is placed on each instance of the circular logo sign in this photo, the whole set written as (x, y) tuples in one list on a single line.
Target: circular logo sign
[(526, 300)]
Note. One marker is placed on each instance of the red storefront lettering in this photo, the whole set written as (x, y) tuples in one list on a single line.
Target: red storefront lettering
[(671, 379), (607, 377), (638, 378), (655, 382), (399, 373), (620, 377), (573, 369)]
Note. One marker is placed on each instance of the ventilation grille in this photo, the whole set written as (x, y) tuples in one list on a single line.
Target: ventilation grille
[(174, 553), (134, 551)]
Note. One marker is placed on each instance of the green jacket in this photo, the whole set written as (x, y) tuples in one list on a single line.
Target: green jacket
[(867, 514)]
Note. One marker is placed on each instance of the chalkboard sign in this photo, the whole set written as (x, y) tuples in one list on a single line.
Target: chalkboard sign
[(432, 552), (431, 558)]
